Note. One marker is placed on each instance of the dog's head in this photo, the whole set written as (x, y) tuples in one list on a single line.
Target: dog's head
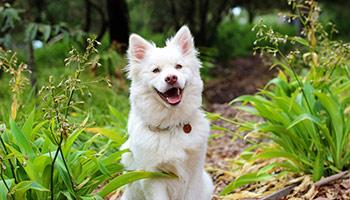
[(169, 74)]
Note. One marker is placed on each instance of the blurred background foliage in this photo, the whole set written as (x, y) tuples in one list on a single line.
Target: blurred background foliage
[(36, 27), (222, 29)]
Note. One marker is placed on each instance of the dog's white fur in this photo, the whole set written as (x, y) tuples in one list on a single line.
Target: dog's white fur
[(166, 147)]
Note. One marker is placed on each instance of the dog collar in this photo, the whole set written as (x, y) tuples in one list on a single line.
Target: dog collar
[(187, 128)]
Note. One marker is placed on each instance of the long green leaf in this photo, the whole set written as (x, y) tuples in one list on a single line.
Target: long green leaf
[(111, 134), (245, 179), (21, 140), (128, 178), (3, 190), (318, 169), (21, 188), (337, 122), (28, 125)]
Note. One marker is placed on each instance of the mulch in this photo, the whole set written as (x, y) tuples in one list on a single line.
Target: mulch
[(222, 149)]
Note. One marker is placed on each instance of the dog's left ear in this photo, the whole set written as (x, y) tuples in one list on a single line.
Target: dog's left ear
[(184, 39)]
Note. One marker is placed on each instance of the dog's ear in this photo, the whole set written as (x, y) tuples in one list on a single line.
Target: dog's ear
[(184, 39), (137, 48)]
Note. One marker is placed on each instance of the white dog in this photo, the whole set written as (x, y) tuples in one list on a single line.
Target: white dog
[(167, 129)]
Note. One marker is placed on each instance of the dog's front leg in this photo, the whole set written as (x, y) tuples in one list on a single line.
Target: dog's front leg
[(155, 190)]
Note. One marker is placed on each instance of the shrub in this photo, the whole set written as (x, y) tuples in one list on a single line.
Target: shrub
[(237, 40), (305, 108), (234, 40)]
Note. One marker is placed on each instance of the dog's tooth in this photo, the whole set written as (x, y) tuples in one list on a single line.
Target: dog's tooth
[(178, 91)]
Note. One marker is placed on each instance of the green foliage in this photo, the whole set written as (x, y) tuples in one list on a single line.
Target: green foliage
[(305, 108), (9, 17), (236, 40), (62, 148), (333, 11), (129, 177)]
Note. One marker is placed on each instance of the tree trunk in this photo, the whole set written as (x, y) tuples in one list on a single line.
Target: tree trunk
[(87, 16), (174, 16), (118, 23), (251, 16), (203, 13)]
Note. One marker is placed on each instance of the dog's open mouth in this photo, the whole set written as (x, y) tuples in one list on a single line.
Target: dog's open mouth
[(172, 96)]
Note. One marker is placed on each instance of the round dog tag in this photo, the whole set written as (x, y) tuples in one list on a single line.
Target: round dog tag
[(187, 128)]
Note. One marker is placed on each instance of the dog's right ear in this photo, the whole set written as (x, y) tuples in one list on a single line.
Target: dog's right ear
[(137, 48)]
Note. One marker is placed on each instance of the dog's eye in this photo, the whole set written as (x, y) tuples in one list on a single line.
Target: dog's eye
[(156, 70), (178, 66)]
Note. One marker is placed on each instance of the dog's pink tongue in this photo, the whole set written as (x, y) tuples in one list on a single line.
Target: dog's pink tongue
[(174, 99)]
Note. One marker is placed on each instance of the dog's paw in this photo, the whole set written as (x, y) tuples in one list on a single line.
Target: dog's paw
[(127, 157), (127, 160)]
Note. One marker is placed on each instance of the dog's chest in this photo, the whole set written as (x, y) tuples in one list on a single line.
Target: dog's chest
[(151, 148)]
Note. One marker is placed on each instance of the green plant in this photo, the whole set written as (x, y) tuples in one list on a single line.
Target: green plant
[(234, 40), (55, 151), (8, 18), (305, 108), (237, 40)]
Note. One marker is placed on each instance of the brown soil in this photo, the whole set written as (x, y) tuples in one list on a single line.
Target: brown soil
[(339, 189), (236, 77), (222, 148)]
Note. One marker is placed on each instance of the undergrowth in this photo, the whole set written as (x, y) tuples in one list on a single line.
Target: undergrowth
[(62, 143), (305, 109)]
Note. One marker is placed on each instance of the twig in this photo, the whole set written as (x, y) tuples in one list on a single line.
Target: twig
[(66, 166), (329, 179), (285, 191), (11, 165), (51, 173), (280, 193)]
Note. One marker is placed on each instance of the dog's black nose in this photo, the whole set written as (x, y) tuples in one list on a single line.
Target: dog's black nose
[(171, 79)]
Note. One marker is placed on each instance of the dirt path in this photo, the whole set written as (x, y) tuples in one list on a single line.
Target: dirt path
[(236, 77)]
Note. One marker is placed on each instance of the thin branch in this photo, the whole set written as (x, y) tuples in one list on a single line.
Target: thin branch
[(280, 193), (51, 177), (11, 165), (285, 191), (66, 166), (329, 179), (301, 85), (59, 149)]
